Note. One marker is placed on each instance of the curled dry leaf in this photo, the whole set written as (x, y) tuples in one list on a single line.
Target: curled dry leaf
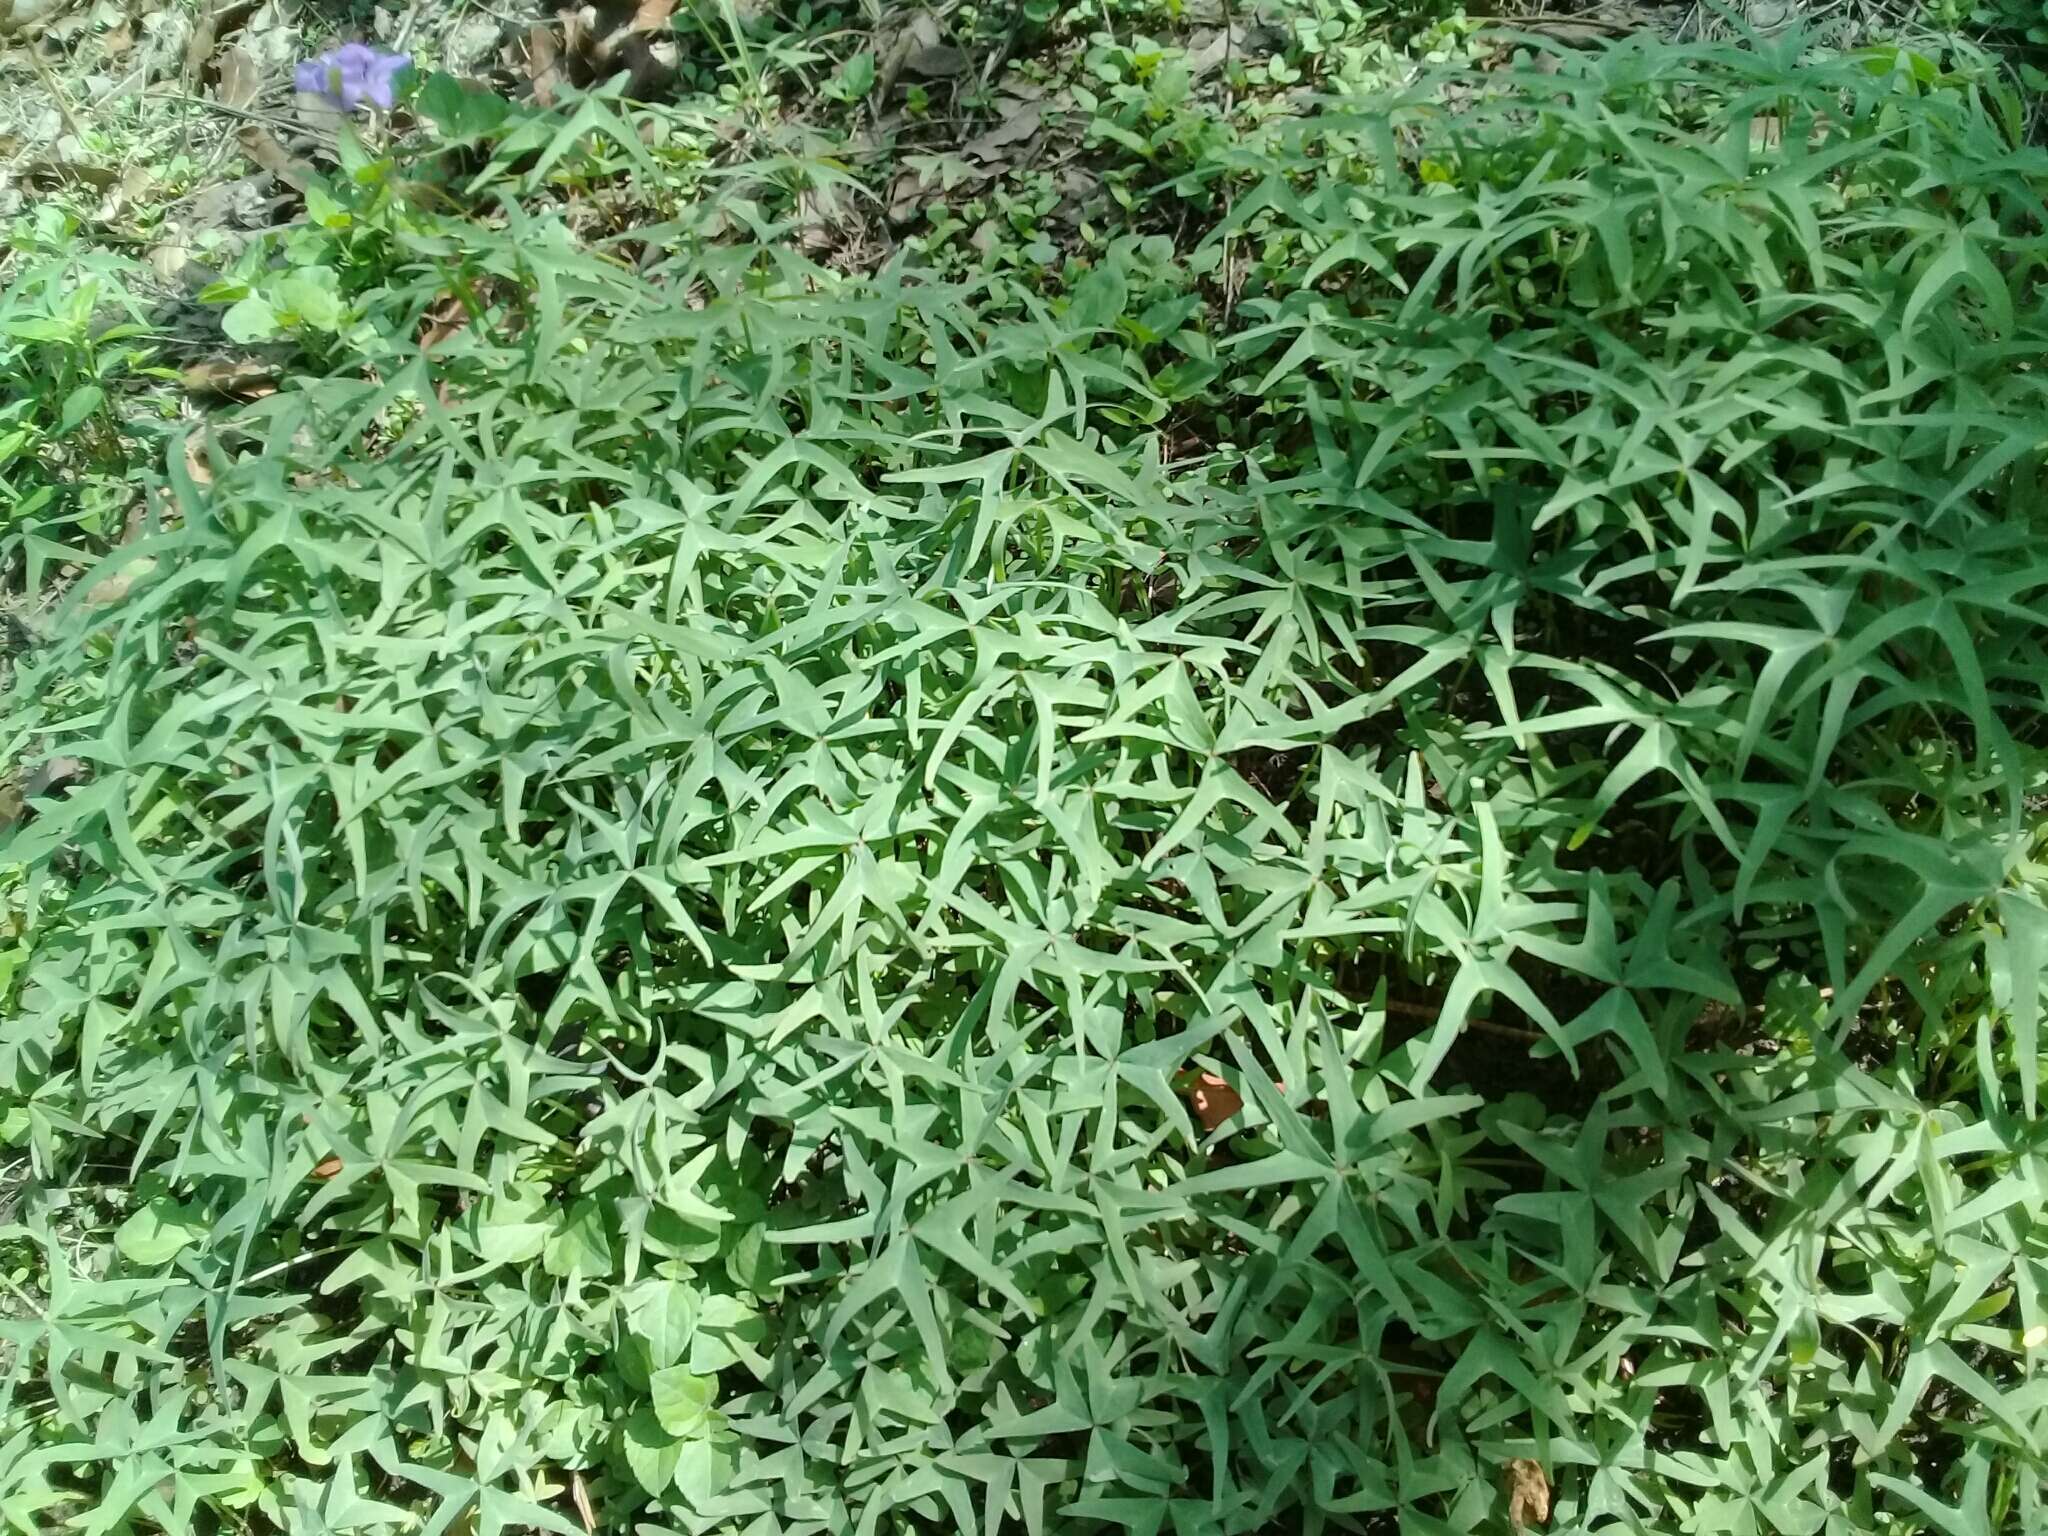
[(1528, 1494), (579, 1492)]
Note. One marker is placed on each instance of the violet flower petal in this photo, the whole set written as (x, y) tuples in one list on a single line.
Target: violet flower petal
[(380, 82), (352, 74)]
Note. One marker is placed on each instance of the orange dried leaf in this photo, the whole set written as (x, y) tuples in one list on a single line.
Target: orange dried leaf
[(1213, 1101), (652, 15), (1528, 1494)]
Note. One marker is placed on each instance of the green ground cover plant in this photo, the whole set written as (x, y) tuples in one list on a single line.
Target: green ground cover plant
[(1368, 858)]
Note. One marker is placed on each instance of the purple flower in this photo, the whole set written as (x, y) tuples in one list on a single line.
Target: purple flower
[(353, 74)]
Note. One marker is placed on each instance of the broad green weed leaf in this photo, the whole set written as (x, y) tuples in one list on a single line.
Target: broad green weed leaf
[(158, 1232), (651, 1452), (662, 1315), (682, 1401)]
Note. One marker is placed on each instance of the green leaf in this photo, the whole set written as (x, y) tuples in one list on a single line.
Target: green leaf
[(1099, 299), (323, 210), (706, 1464), (662, 1315), (158, 1232), (581, 1245), (309, 298), (460, 112), (856, 77), (651, 1452), (682, 1400), (79, 404), (250, 319)]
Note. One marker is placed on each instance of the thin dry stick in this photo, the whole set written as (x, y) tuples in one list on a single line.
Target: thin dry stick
[(72, 125), (1229, 28), (1484, 1026), (267, 119), (1558, 19), (412, 16)]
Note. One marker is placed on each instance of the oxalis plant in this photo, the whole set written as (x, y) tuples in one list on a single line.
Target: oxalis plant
[(740, 900)]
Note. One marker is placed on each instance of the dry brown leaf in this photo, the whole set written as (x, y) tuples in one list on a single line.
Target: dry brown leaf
[(940, 61), (55, 169), (442, 321), (894, 42), (51, 775), (175, 264), (579, 30), (199, 46), (327, 1167), (111, 589), (25, 16), (1528, 1494), (234, 378), (543, 63), (907, 197), (118, 41), (579, 1493), (240, 81), (1020, 123), (651, 16), (219, 19), (599, 40), (196, 463), (258, 144), (1213, 1100)]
